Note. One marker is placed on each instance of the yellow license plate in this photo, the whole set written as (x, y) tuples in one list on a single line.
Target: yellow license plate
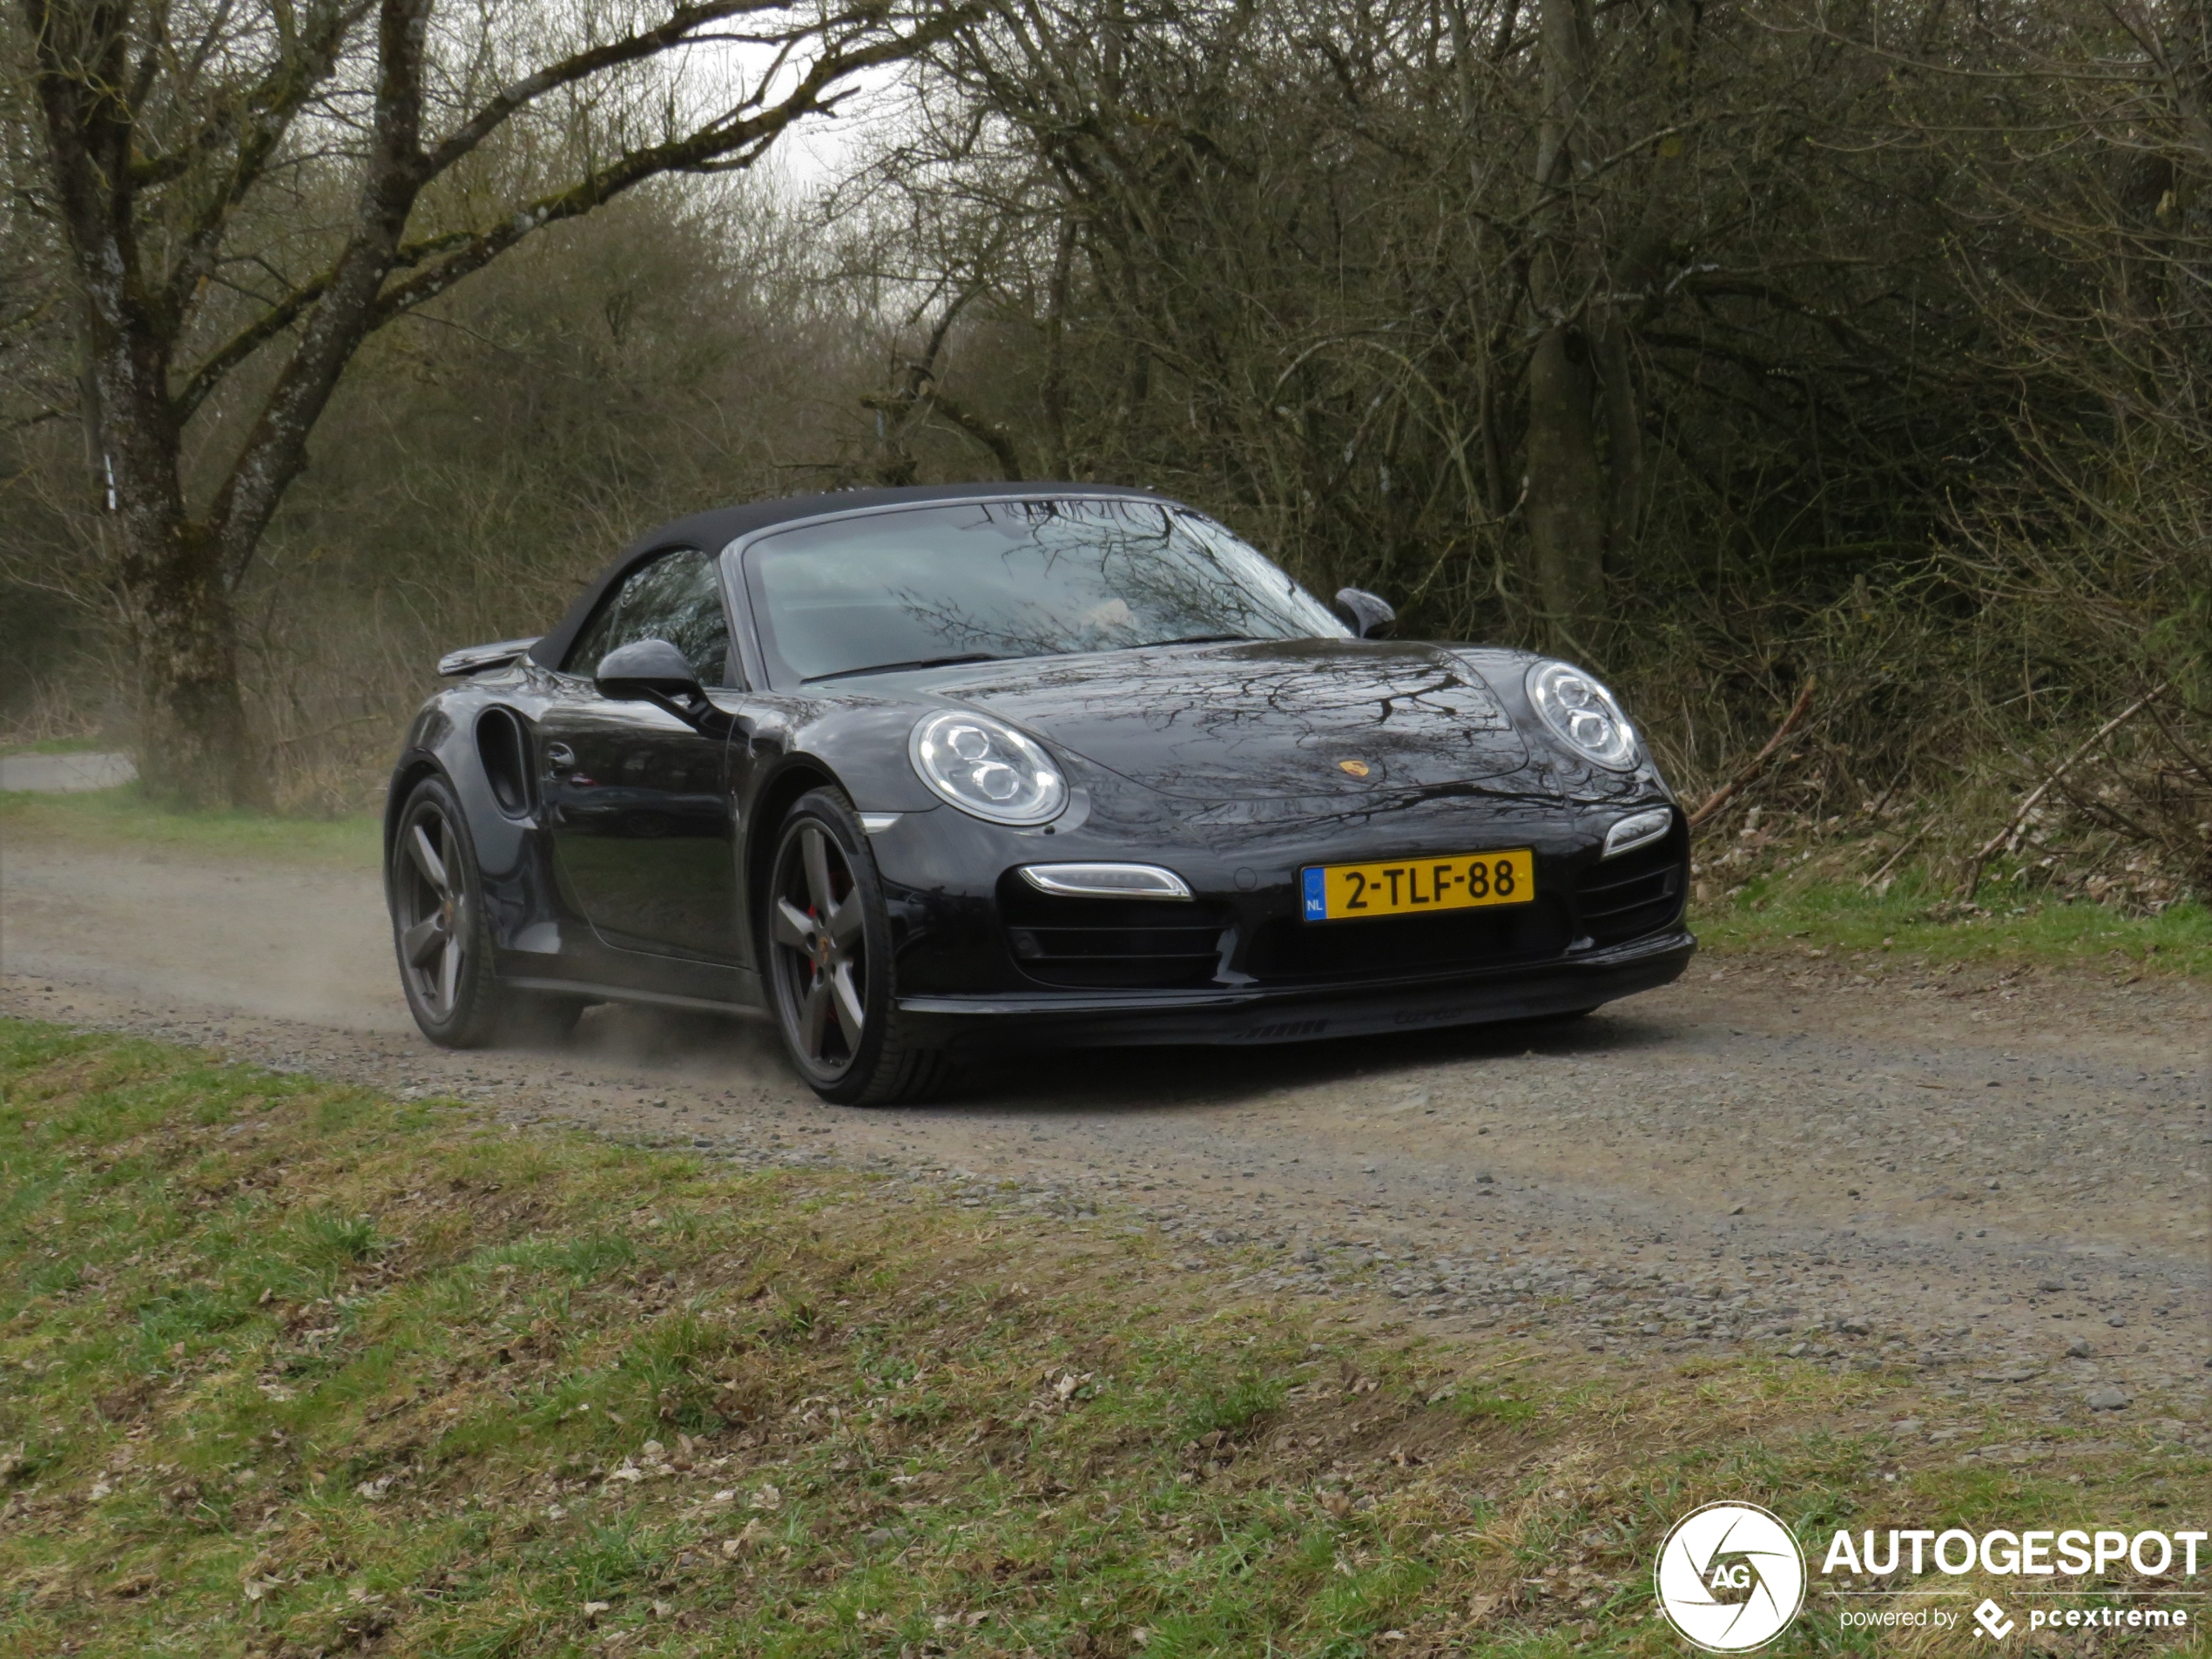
[(1411, 887)]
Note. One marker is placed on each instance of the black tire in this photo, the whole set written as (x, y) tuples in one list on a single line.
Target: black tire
[(442, 935), (826, 939)]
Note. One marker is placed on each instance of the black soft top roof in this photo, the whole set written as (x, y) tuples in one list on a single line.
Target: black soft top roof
[(716, 527)]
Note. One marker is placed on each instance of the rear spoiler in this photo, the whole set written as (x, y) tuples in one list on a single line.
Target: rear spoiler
[(475, 659)]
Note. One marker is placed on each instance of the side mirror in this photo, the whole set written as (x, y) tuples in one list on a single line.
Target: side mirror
[(652, 671), (1369, 614), (646, 671)]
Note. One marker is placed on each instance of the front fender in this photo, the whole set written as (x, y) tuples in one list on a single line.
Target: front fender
[(514, 854), (1505, 670), (864, 746)]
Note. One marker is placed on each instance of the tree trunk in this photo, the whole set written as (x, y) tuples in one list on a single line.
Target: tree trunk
[(167, 575), (1054, 392), (193, 746), (1640, 270), (1568, 494)]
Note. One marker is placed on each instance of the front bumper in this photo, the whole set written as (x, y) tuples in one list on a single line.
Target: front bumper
[(1093, 1019), (985, 960)]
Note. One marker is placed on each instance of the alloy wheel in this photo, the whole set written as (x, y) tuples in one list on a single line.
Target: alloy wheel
[(433, 909), (821, 948)]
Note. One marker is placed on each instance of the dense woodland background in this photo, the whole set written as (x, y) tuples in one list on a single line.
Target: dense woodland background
[(1732, 348)]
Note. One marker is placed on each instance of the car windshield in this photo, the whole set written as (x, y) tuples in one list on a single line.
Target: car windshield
[(930, 585)]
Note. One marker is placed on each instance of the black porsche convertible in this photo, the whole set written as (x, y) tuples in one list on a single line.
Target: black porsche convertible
[(925, 771)]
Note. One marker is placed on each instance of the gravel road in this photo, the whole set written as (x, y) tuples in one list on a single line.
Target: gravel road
[(2001, 1178)]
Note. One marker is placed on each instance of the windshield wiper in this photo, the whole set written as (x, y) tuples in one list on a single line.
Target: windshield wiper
[(1193, 639), (919, 661)]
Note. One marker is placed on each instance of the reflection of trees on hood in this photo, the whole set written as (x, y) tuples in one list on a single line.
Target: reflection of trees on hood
[(1270, 721), (1338, 691)]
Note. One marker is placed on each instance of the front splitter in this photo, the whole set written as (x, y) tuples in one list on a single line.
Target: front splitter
[(961, 1025)]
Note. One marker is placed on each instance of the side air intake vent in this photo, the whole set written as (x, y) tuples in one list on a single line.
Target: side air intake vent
[(506, 754)]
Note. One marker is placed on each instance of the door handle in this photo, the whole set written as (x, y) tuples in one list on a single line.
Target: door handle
[(559, 757)]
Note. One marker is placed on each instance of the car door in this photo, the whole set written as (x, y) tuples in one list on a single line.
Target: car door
[(638, 799)]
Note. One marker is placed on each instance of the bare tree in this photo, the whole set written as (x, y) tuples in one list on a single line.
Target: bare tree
[(2090, 557), (1595, 261), (917, 396), (188, 144)]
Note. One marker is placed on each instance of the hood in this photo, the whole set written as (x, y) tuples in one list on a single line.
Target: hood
[(1261, 720)]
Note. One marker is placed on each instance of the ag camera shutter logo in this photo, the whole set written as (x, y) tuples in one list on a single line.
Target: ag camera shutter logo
[(1729, 1577)]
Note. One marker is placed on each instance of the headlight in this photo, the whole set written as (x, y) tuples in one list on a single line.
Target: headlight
[(986, 767), (1584, 715)]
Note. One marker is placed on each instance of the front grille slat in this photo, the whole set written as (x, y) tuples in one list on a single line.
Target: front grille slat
[(1627, 895), (1601, 891), (1639, 893), (1111, 944)]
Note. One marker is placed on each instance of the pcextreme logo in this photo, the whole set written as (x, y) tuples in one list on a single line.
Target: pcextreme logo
[(1729, 1577)]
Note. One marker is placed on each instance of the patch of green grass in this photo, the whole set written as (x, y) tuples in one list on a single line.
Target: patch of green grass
[(125, 818), (1503, 1408), (286, 1366), (1234, 1410), (332, 1243), (56, 746), (1774, 911)]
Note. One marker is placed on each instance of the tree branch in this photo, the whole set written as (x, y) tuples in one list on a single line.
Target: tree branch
[(243, 344), (696, 153), (1728, 791), (276, 448), (992, 437), (681, 28), (307, 61), (931, 402), (2009, 835), (342, 307)]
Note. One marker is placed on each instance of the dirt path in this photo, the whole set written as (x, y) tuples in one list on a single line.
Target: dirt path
[(1846, 1159)]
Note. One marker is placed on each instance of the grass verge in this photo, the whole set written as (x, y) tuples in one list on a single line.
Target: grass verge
[(124, 819), (55, 746), (293, 1368), (1776, 911)]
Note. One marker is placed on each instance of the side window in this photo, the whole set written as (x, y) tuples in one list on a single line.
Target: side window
[(677, 597)]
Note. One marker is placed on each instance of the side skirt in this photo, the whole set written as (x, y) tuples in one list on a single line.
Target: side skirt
[(585, 990)]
